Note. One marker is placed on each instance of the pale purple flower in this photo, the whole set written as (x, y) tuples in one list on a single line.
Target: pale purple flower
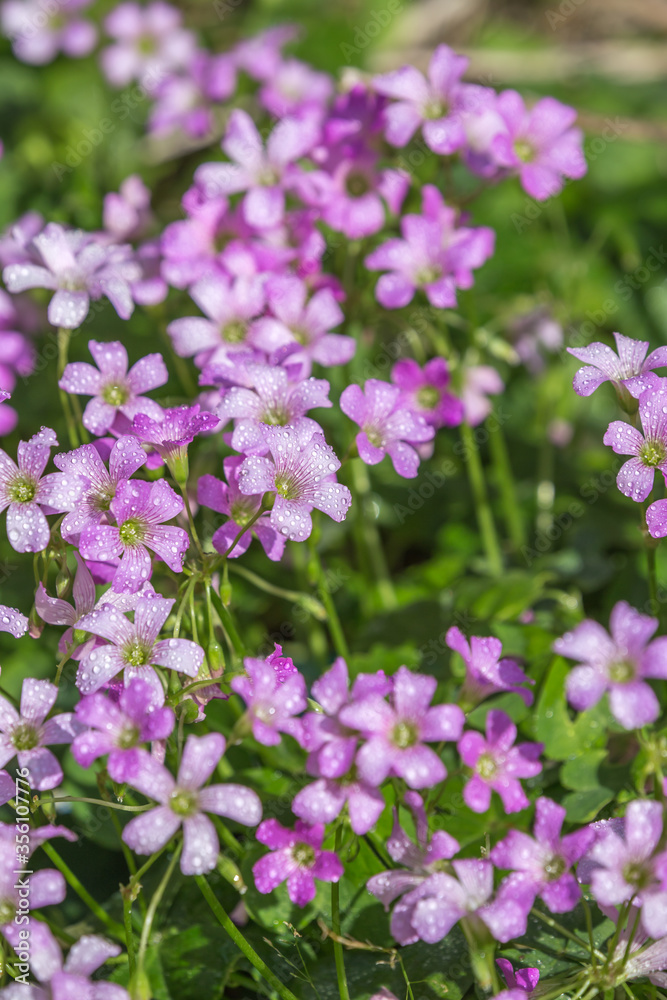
[(226, 498), (297, 857), (294, 88), (649, 451), (186, 100), (656, 519), (114, 389), (323, 801), (68, 980), (619, 664), (651, 962), (271, 703), (630, 867), (30, 496), (264, 174), (534, 333), (268, 398), (302, 326), (486, 673), (520, 983), (544, 862), (300, 473), (425, 390), (7, 787), (149, 42), (435, 103), (388, 425), (260, 55), (171, 434), (417, 861), (125, 458), (395, 735), (117, 729), (127, 213), (134, 649), (429, 911), (13, 621), (479, 381), (56, 611), (140, 509), (27, 733), (434, 254), (540, 144), (78, 268), (628, 369), (39, 32), (230, 308), (184, 802), (497, 764)]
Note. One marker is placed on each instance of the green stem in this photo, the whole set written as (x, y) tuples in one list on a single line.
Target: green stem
[(114, 928), (152, 910), (228, 625), (371, 537), (650, 546), (129, 932), (270, 588), (93, 802), (191, 521), (505, 482), (550, 922), (242, 531), (335, 627), (63, 337), (343, 990), (483, 508), (241, 943)]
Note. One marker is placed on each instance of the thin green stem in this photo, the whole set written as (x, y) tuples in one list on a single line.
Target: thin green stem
[(550, 922), (94, 802), (335, 627), (241, 943), (63, 338), (152, 910), (505, 481), (370, 536), (112, 926), (650, 546), (482, 506), (270, 588), (191, 521), (129, 931), (228, 625), (242, 531), (343, 990)]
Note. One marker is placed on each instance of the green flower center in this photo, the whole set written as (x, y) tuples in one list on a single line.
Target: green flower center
[(287, 487), (129, 737), (235, 332), (115, 394), (555, 867), (434, 109), (652, 453), (428, 275), (486, 767), (275, 416), (132, 532), (102, 499), (622, 672), (301, 336), (136, 655), (147, 45), (22, 489), (524, 151), (638, 875), (25, 737), (303, 854), (242, 513), (183, 802), (374, 436), (404, 734), (357, 185), (428, 397), (7, 911), (268, 177)]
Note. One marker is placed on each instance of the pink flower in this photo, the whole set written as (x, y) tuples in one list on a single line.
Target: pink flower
[(296, 857), (388, 425), (27, 734), (497, 764), (113, 387), (424, 391), (184, 802), (265, 174), (133, 649), (629, 369), (78, 268), (300, 473), (649, 451), (486, 673), (139, 509), (272, 704), (226, 498), (149, 41), (39, 33), (28, 494)]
